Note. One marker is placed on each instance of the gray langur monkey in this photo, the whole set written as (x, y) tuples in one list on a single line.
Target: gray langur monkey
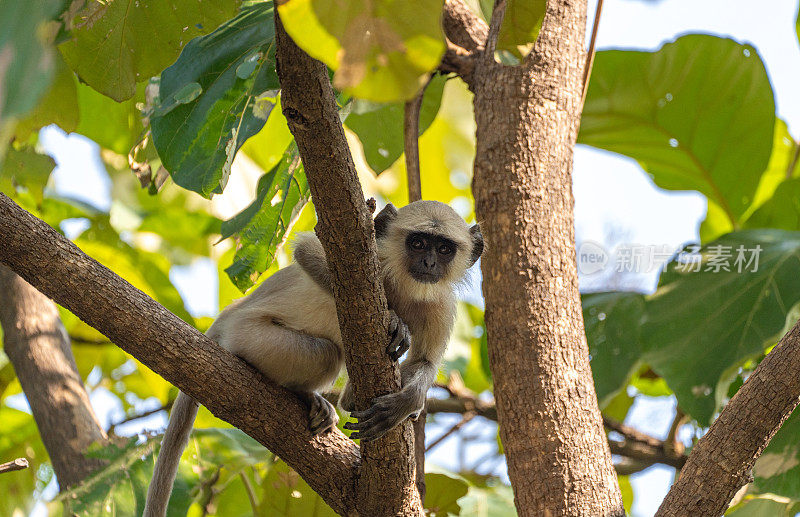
[(288, 328)]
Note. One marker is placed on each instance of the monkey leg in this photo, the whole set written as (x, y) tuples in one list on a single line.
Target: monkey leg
[(297, 361), (321, 413)]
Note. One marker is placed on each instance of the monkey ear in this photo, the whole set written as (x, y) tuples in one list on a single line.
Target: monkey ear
[(477, 243), (383, 219)]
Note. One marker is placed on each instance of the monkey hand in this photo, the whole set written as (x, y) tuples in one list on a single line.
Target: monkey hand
[(400, 337), (385, 413)]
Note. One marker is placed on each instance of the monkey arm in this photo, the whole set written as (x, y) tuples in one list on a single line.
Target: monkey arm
[(418, 374)]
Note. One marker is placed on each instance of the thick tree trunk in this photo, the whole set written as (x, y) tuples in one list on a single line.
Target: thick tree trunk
[(386, 482), (38, 347), (558, 459)]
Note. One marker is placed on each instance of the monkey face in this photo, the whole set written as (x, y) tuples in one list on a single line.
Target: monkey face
[(428, 256)]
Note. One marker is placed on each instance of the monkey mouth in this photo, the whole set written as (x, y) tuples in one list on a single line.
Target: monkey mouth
[(425, 278)]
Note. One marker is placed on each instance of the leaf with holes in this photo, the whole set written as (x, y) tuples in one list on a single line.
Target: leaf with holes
[(698, 114), (207, 109), (115, 45), (700, 326), (381, 50), (263, 226)]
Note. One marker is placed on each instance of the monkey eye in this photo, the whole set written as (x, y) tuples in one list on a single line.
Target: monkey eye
[(445, 249), (417, 243)]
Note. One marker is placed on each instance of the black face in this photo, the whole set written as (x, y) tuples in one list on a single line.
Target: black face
[(428, 256)]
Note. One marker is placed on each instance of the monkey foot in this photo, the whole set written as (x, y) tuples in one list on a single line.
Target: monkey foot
[(322, 415)]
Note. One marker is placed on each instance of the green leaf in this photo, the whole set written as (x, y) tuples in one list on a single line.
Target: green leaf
[(181, 228), (764, 505), (699, 326), (380, 127), (27, 168), (197, 133), (782, 159), (488, 502), (698, 114), (58, 106), (797, 24), (113, 125), (777, 470), (521, 25), (612, 322), (442, 492), (263, 226), (115, 45), (782, 210), (285, 494), (381, 50), (26, 54)]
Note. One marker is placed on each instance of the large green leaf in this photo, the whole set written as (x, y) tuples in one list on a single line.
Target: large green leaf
[(764, 505), (782, 210), (27, 168), (612, 323), (381, 50), (27, 57), (58, 106), (521, 24), (778, 469), (116, 44), (213, 99), (443, 490), (495, 501), (112, 125), (285, 494), (698, 114), (380, 127), (699, 326), (262, 227)]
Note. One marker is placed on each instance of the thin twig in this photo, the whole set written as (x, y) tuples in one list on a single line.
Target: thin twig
[(630, 433), (673, 444), (11, 466), (498, 13), (411, 143), (248, 487), (165, 407), (587, 67), (461, 423), (795, 159)]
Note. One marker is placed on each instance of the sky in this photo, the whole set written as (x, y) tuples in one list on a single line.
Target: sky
[(615, 201)]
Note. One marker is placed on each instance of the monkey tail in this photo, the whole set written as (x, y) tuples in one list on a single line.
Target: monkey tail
[(175, 439)]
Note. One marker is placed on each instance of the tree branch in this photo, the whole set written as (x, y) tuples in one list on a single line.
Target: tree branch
[(11, 466), (345, 228), (721, 461), (463, 27), (38, 347), (225, 384)]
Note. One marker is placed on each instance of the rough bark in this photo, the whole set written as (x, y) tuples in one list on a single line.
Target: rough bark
[(552, 431), (720, 463), (386, 484), (225, 384), (37, 345)]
